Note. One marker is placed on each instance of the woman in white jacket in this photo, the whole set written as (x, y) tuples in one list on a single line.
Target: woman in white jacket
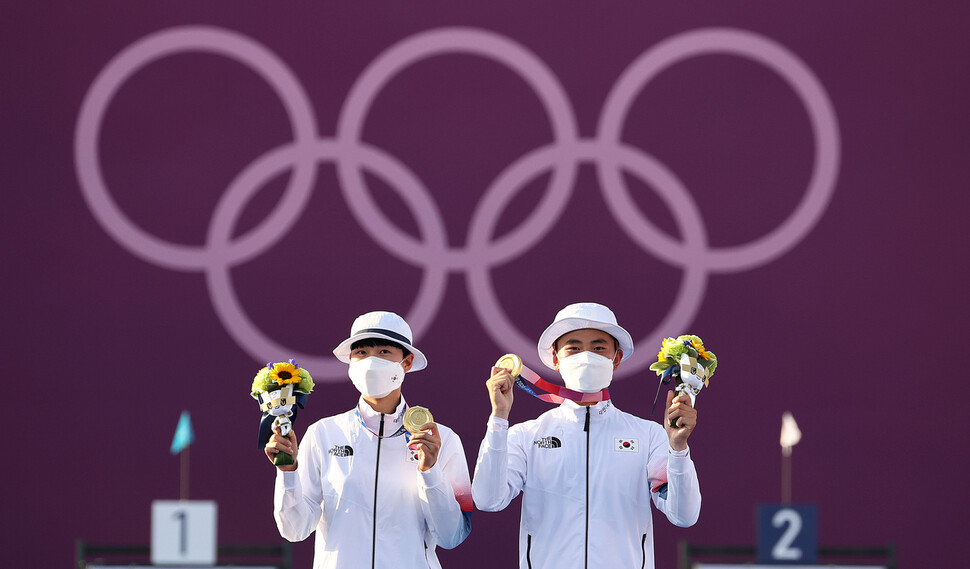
[(373, 497), (588, 471)]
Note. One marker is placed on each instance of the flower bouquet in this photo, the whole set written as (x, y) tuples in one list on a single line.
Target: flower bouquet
[(686, 360), (281, 389)]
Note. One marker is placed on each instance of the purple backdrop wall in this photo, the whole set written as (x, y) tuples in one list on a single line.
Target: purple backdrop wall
[(182, 204)]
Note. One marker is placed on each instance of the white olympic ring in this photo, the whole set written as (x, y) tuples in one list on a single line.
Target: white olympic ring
[(108, 82), (431, 251)]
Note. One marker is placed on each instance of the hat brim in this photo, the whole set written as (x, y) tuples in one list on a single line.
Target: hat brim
[(342, 351), (560, 327)]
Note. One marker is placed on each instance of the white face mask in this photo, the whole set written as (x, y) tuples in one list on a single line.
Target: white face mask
[(586, 372), (376, 377)]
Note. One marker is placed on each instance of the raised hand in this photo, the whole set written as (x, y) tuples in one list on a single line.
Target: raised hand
[(500, 387), (681, 413)]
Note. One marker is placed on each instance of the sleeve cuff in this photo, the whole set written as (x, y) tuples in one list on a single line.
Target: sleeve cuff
[(678, 461), (497, 424), (497, 434), (290, 479), (431, 477), (672, 452)]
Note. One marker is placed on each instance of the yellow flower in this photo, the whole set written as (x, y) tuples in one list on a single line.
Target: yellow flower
[(284, 373), (702, 353), (660, 355)]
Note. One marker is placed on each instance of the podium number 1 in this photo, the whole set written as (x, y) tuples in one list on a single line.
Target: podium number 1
[(180, 515), (183, 532)]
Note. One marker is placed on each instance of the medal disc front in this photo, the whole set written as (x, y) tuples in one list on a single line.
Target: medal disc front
[(511, 362), (415, 417)]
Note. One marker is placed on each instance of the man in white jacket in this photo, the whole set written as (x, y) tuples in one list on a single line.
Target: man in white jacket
[(374, 498), (587, 470)]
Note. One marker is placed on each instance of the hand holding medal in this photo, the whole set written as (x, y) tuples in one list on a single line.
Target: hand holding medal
[(426, 441)]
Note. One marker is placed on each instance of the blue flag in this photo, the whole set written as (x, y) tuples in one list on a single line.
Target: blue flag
[(184, 435)]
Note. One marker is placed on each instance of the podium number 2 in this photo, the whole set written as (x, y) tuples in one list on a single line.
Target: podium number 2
[(783, 548)]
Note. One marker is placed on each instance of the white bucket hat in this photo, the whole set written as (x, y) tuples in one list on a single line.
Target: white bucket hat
[(384, 325), (577, 317)]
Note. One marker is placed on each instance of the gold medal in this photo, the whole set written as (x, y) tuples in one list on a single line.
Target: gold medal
[(416, 417), (511, 362)]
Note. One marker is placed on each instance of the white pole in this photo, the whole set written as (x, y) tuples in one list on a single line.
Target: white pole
[(786, 475)]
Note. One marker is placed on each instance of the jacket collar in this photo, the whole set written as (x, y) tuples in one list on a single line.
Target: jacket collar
[(372, 418), (576, 412)]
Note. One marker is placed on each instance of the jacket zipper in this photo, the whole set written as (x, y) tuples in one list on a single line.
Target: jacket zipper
[(528, 551), (377, 472), (586, 428), (643, 550)]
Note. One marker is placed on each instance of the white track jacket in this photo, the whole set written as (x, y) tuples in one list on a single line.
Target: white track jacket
[(587, 475), (366, 499)]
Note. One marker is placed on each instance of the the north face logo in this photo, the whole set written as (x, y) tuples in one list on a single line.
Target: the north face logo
[(548, 442), (341, 450)]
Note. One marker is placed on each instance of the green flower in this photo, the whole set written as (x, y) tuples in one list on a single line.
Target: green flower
[(672, 349), (306, 382), (261, 382)]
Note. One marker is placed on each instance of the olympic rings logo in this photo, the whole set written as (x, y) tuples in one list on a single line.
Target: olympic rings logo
[(352, 156)]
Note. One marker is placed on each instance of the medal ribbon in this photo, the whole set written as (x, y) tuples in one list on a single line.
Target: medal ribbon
[(529, 381)]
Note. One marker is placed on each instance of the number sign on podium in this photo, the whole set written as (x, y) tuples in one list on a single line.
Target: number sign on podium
[(183, 532), (787, 534)]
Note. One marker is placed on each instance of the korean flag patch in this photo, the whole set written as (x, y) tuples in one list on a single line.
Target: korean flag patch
[(626, 445), (412, 455)]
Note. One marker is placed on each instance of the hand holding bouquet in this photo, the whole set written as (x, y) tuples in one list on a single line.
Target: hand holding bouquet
[(281, 388)]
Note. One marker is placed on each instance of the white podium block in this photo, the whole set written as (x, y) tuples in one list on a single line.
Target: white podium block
[(183, 532)]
